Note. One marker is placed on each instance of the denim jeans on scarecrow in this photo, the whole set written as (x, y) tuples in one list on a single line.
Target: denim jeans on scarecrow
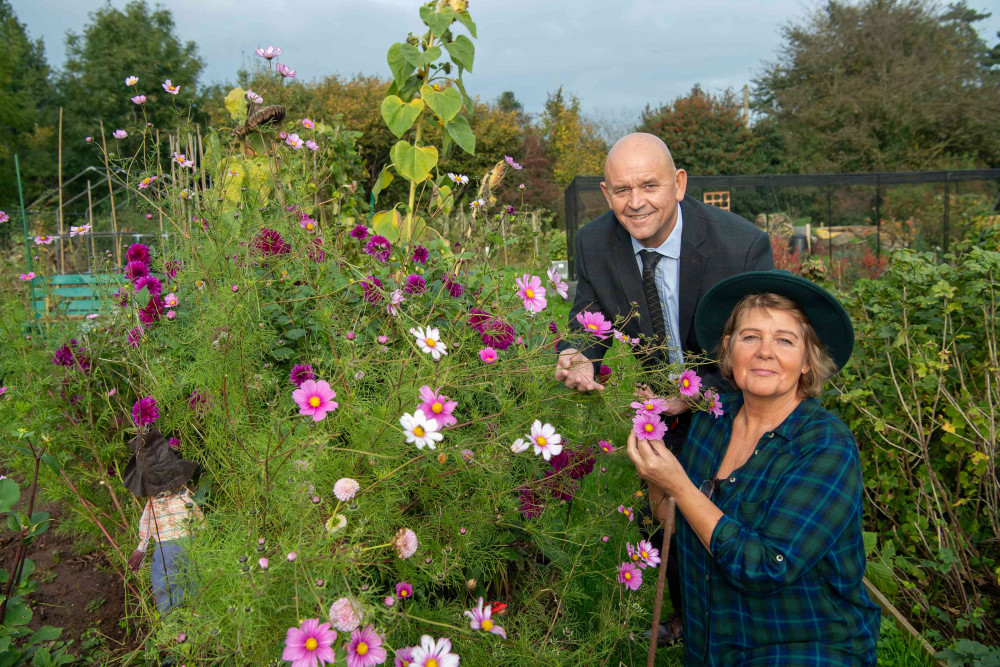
[(167, 574)]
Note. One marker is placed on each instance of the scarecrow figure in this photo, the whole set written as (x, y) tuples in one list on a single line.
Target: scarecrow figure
[(156, 471)]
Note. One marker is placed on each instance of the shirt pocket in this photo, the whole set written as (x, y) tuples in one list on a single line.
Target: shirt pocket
[(751, 513)]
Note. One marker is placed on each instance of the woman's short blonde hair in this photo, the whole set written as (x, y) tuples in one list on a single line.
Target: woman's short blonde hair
[(821, 364)]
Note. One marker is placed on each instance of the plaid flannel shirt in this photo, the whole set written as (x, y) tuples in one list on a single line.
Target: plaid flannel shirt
[(167, 517), (782, 584)]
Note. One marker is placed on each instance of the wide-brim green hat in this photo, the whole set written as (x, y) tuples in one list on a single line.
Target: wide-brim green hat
[(826, 314)]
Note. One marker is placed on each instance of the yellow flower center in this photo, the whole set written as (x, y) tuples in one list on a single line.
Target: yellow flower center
[(437, 408), (310, 226), (540, 440), (686, 383), (311, 644), (648, 428), (419, 431), (362, 648), (314, 401), (628, 576), (635, 556), (431, 663), (592, 327), (487, 624), (645, 554), (430, 342), (650, 406), (404, 594), (529, 293)]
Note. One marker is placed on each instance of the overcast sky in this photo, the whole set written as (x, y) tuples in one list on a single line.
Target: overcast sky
[(615, 55)]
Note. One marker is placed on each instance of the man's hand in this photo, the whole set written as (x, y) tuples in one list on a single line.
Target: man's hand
[(675, 405), (576, 371), (135, 561)]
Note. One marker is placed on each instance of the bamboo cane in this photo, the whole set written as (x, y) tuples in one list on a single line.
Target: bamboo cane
[(62, 245), (90, 220), (111, 194), (668, 529)]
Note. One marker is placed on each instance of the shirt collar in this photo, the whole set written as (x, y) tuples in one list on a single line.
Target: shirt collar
[(672, 246)]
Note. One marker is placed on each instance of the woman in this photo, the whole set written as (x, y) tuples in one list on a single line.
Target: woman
[(769, 531)]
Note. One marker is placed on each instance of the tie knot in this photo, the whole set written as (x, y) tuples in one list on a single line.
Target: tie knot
[(650, 258)]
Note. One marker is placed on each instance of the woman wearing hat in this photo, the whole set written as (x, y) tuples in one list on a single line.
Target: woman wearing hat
[(770, 493)]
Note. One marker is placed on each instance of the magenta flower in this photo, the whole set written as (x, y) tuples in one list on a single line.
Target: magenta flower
[(300, 373), (649, 406), (509, 160), (510, 209), (627, 511), (359, 232), (488, 355), (30, 275), (455, 289), (173, 267), (144, 411), (308, 224), (315, 399), (689, 383), (649, 427), (135, 336), (594, 323), (269, 243), (286, 71), (432, 653), (312, 145), (119, 134), (151, 283), (558, 284), (404, 590), (482, 619), (269, 53), (308, 123), (138, 252), (606, 446), (437, 406), (315, 250), (716, 405), (372, 287), (531, 292), (365, 648), (310, 645), (139, 99), (136, 269), (379, 247), (415, 285), (404, 656), (39, 240), (171, 88), (420, 254), (643, 554), (630, 575)]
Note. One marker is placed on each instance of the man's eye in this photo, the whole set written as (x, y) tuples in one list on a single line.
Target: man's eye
[(651, 186)]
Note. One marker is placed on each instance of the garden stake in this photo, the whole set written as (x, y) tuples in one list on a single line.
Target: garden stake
[(668, 529)]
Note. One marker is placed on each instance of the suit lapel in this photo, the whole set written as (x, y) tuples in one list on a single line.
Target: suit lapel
[(693, 262), (630, 279)]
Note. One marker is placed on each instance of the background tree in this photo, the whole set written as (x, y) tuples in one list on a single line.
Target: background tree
[(572, 143), (26, 118), (884, 85), (707, 134)]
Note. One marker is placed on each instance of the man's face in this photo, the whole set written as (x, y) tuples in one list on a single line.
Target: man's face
[(643, 189)]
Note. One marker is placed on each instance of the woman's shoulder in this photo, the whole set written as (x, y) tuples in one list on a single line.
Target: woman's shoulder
[(813, 426)]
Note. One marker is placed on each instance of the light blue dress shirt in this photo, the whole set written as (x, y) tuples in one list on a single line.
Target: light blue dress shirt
[(668, 280)]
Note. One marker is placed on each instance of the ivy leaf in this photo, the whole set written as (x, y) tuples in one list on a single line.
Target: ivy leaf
[(460, 132), (462, 52), (399, 115), (414, 163), (445, 103)]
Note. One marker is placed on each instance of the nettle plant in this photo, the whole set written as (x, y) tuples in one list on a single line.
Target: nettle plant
[(387, 467)]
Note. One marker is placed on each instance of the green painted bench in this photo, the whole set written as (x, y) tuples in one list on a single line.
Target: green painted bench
[(70, 295)]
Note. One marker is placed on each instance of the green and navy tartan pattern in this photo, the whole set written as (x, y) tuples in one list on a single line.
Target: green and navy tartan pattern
[(782, 584)]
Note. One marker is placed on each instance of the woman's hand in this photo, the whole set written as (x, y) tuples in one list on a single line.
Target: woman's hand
[(655, 464)]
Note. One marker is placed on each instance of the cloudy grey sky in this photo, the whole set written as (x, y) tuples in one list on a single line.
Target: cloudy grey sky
[(615, 55)]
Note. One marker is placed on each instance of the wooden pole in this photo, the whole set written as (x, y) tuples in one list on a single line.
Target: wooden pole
[(534, 231), (201, 164), (661, 578), (159, 172), (90, 219), (62, 246), (111, 194)]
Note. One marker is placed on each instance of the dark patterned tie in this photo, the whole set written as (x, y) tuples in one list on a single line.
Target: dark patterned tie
[(650, 258)]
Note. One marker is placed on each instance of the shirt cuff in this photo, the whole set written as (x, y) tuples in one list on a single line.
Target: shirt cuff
[(723, 534)]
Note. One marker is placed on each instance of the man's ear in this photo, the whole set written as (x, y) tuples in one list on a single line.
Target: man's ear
[(680, 183), (607, 195)]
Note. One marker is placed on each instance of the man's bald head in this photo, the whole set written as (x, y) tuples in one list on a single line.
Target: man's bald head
[(629, 146)]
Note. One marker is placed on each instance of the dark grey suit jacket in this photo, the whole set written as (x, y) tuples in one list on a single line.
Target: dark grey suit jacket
[(715, 244)]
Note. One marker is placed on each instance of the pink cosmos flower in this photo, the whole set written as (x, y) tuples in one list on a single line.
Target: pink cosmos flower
[(509, 160), (432, 653), (30, 275), (139, 99), (488, 355), (545, 440), (312, 145), (254, 97), (310, 645), (689, 383), (308, 123), (269, 53), (458, 179), (648, 427), (170, 300), (649, 406), (627, 511), (146, 182), (263, 563), (716, 405), (345, 614), (606, 446), (482, 620), (286, 71), (315, 399), (594, 323), (345, 488), (182, 160), (171, 88), (119, 134), (404, 590), (389, 601), (39, 240), (437, 406), (404, 657), (365, 648), (131, 80), (531, 292), (405, 542), (294, 141), (308, 224), (643, 554), (560, 286), (76, 231), (395, 298), (630, 575)]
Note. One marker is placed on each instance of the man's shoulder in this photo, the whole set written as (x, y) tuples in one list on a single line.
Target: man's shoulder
[(600, 230)]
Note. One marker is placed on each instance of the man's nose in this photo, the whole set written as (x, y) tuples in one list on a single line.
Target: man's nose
[(635, 200)]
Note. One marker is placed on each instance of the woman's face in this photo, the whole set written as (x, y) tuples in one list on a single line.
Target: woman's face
[(769, 353)]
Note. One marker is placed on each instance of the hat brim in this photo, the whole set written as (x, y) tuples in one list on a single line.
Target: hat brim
[(825, 313)]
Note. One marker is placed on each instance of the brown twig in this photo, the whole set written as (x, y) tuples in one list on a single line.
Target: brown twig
[(668, 529)]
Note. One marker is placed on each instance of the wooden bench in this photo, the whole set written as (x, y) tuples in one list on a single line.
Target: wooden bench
[(72, 295)]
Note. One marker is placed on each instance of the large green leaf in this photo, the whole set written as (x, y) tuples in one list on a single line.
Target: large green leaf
[(384, 179), (17, 613), (466, 20), (46, 633), (9, 493), (399, 115), (387, 224), (445, 103), (398, 64), (236, 105), (460, 132), (414, 163), (418, 58), (438, 21), (881, 577), (462, 51)]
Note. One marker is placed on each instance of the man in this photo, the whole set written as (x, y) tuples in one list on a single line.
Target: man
[(649, 260)]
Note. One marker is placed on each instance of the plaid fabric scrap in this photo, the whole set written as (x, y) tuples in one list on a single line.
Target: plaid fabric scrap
[(167, 517)]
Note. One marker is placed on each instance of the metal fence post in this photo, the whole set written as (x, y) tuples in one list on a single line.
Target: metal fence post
[(947, 212)]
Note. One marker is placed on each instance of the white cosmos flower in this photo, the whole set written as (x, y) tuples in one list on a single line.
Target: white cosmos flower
[(420, 430), (520, 445), (429, 342), (545, 440)]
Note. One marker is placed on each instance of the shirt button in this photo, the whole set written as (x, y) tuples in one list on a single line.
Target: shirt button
[(779, 558), (770, 435), (756, 452), (732, 479)]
